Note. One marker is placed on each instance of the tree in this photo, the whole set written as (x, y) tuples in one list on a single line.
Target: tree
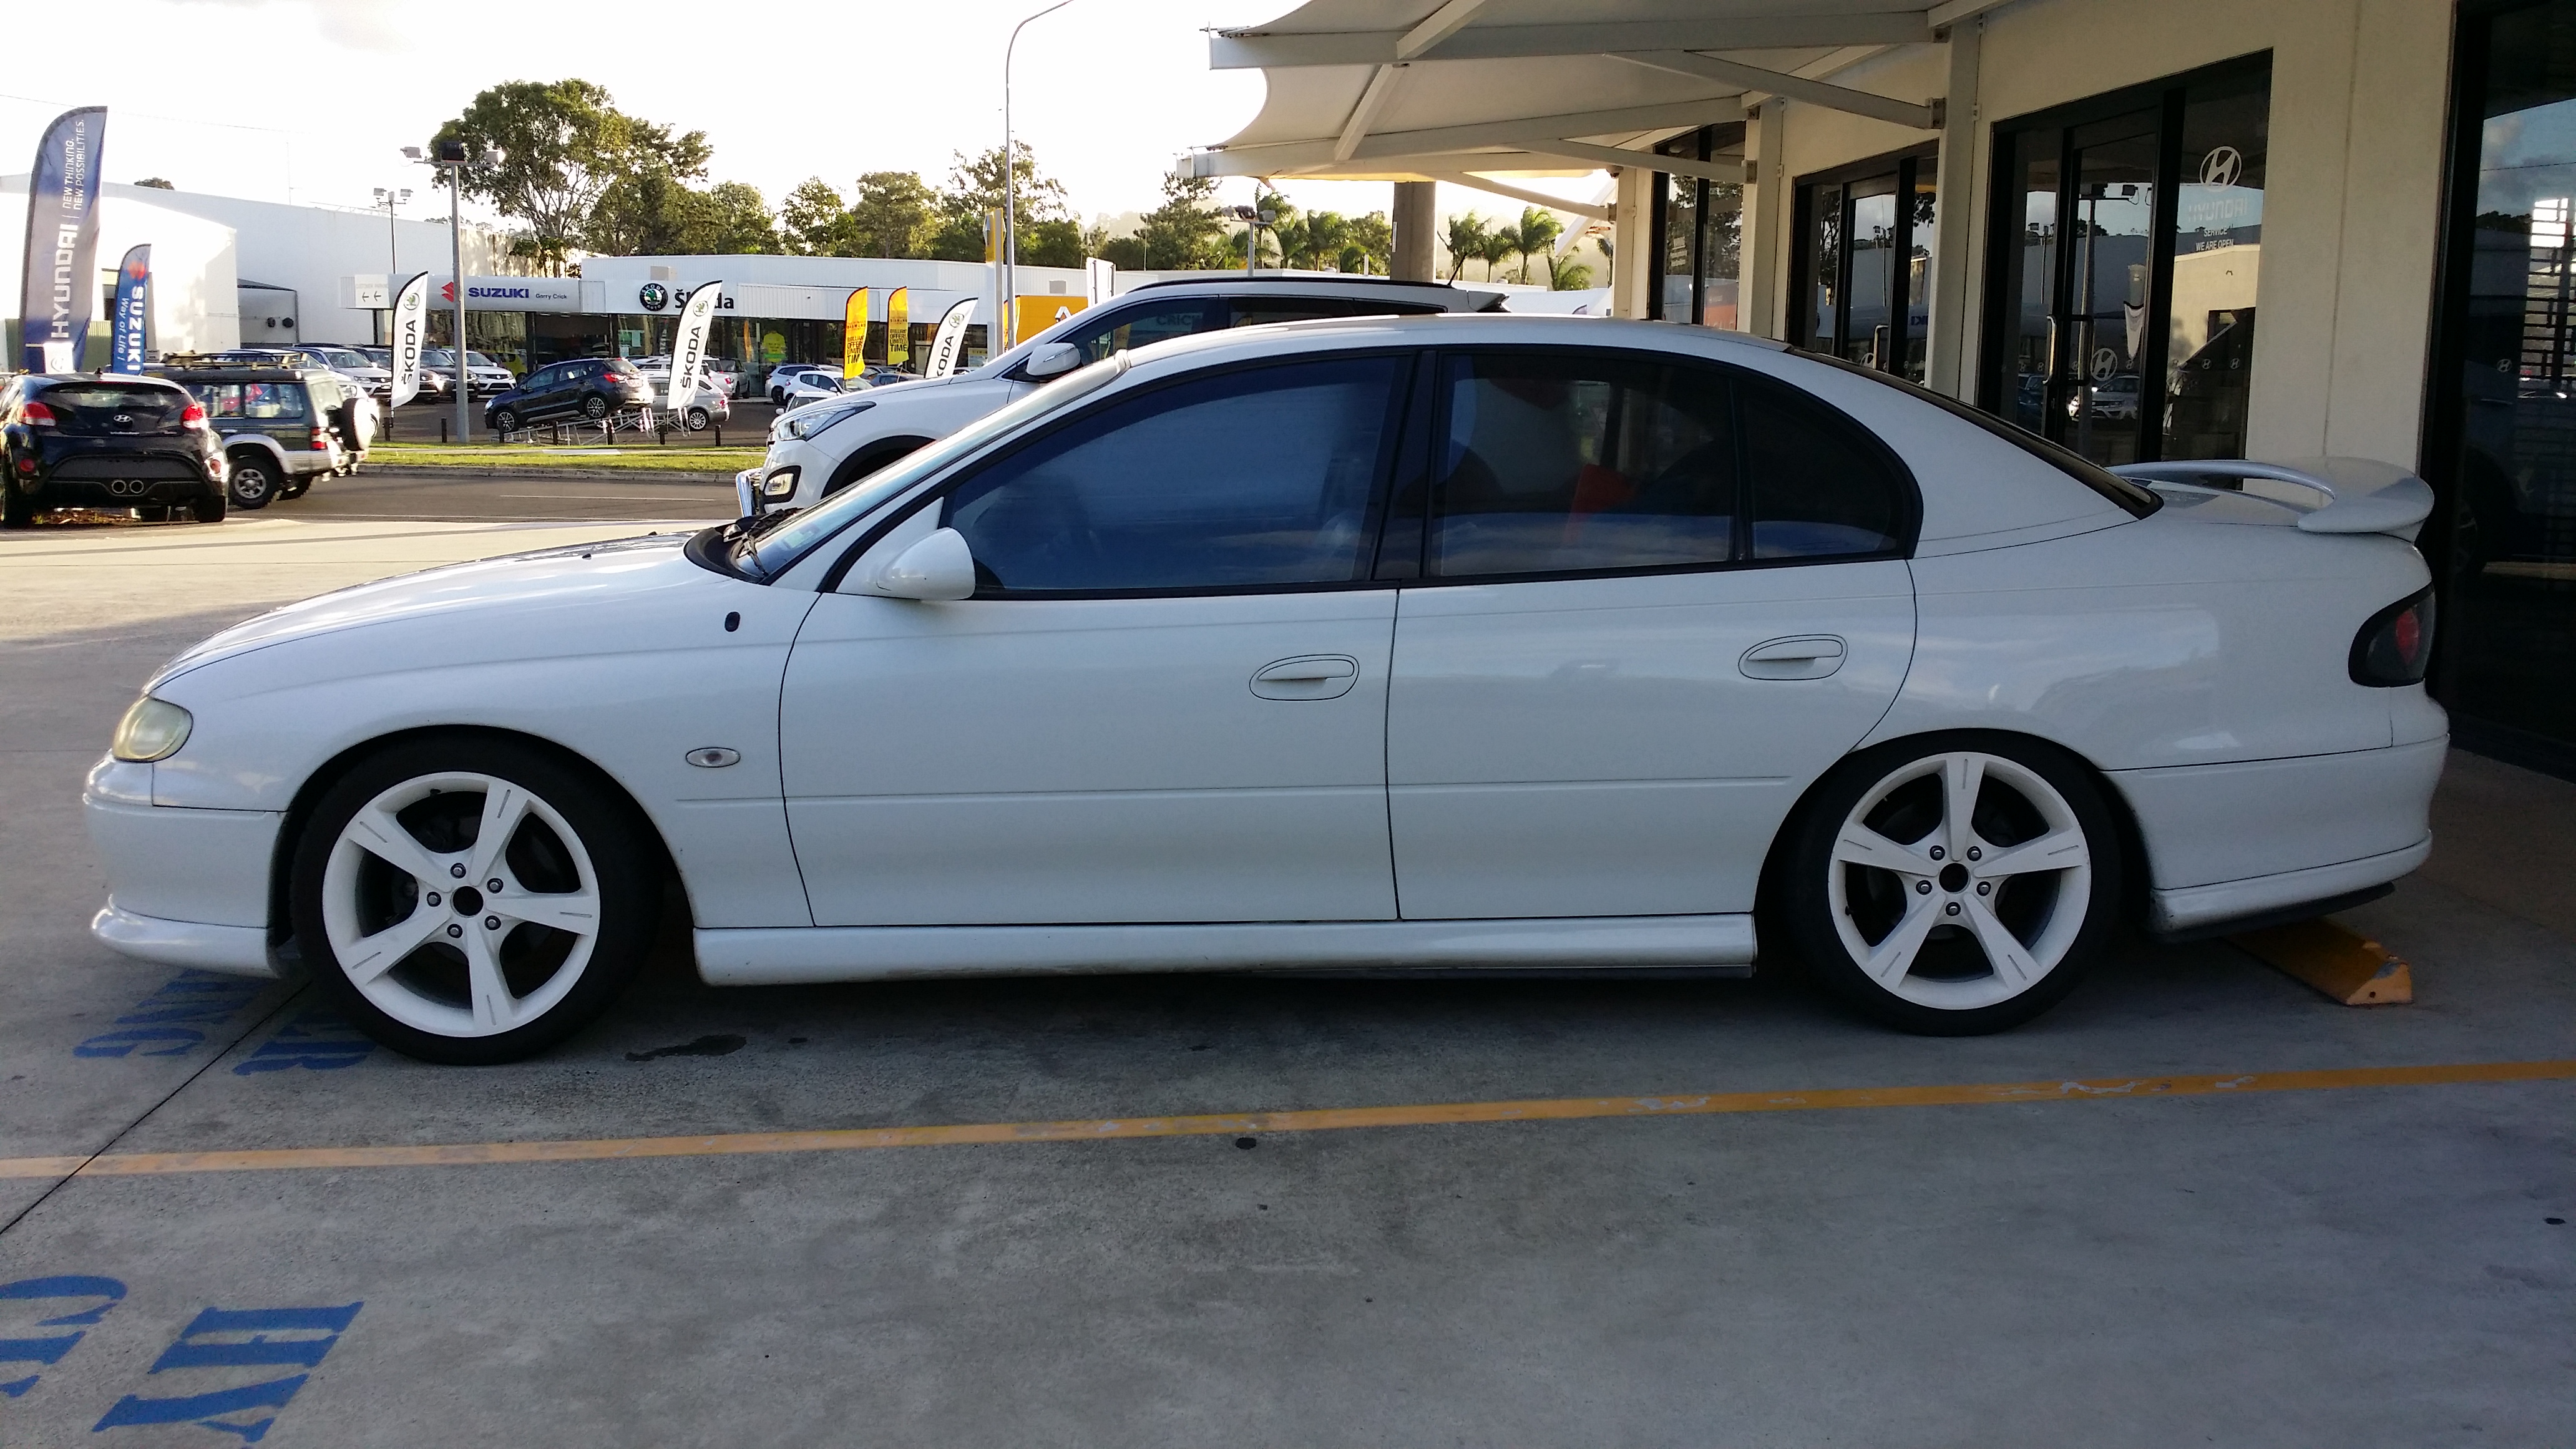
[(813, 220), (654, 214), (892, 216), (973, 192), (731, 218), (1465, 236), (1369, 245), (156, 183), (1182, 234), (1536, 235), (1500, 243), (559, 147)]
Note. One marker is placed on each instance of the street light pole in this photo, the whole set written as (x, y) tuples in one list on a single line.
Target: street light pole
[(1008, 327), (450, 157), (389, 197)]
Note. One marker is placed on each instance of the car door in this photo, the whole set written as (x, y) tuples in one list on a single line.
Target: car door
[(1655, 598), (1166, 703), (537, 393)]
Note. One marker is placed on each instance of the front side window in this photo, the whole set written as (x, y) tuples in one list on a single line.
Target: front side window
[(1561, 463), (1262, 476), (1133, 327)]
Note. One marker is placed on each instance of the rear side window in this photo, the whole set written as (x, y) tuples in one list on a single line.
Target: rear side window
[(1577, 462), (1819, 486), (255, 402), (1241, 479)]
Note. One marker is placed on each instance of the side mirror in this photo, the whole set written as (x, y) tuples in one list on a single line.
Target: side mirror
[(1053, 360), (746, 493), (938, 568)]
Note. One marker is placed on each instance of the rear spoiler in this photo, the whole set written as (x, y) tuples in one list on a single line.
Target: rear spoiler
[(2329, 495)]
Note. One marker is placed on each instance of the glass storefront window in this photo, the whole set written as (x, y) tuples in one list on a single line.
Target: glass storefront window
[(1864, 263), (2218, 259), (1699, 227)]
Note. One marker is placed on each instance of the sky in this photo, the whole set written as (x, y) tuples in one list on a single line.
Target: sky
[(311, 101)]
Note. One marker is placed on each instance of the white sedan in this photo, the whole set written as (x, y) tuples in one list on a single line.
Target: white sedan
[(1432, 643)]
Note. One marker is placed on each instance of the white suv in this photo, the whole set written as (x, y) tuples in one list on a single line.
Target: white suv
[(825, 446)]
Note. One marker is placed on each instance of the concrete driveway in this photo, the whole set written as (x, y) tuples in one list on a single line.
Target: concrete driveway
[(1707, 1227)]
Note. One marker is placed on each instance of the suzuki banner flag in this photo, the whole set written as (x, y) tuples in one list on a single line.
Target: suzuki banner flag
[(949, 343), (407, 334), (55, 298), (689, 344), (133, 308), (899, 327), (854, 335)]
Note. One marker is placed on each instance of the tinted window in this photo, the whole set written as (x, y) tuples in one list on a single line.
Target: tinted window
[(1569, 462), (545, 376), (1254, 311), (1144, 324), (1821, 487), (1262, 476), (97, 407), (258, 402)]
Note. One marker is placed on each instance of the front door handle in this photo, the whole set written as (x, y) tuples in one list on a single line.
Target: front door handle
[(1804, 656), (1308, 676)]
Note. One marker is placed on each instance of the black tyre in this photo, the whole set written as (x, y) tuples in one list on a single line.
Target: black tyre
[(208, 508), (1954, 884), (696, 419), (594, 407), (472, 901), (298, 488), (505, 420), (253, 482)]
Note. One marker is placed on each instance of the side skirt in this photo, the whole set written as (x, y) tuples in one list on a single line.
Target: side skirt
[(774, 956)]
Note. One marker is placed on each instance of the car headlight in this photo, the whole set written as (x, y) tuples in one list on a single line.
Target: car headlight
[(153, 729), (806, 425)]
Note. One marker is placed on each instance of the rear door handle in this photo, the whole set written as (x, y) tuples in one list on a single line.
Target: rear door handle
[(1308, 676), (1804, 656)]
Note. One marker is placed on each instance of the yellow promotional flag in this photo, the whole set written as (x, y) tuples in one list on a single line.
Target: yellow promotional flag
[(1035, 314), (854, 334), (898, 327)]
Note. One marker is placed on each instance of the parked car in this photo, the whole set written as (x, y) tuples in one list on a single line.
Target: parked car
[(821, 449), (709, 402), (785, 377), (435, 386), (482, 375), (104, 441), (590, 387), (1591, 643), (814, 387), (375, 379), (281, 428)]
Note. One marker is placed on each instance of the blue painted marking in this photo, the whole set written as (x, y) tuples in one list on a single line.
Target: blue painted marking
[(319, 1040), (50, 1349), (164, 1021), (236, 1337)]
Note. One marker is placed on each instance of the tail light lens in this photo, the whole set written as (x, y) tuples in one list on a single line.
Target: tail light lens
[(38, 415), (2393, 648), (192, 416), (321, 440)]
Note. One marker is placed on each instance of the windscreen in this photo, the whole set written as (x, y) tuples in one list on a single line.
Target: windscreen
[(101, 408)]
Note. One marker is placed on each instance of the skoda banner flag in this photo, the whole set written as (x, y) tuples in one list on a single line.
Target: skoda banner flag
[(54, 301), (133, 305), (949, 342), (689, 344), (408, 334), (854, 334), (898, 327)]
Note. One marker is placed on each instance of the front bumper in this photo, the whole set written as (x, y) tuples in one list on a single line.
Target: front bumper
[(185, 886), (232, 950)]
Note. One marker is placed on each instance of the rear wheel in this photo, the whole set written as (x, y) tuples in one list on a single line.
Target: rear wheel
[(208, 508), (1953, 885), (696, 419), (252, 483), (594, 407), (472, 901), (17, 510)]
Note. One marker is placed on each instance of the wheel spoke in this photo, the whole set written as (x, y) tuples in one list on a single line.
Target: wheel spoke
[(1891, 958), (574, 911), (494, 1006), (1962, 776), (376, 831), (369, 957), (2058, 850), (504, 806), (2004, 951), (1860, 845)]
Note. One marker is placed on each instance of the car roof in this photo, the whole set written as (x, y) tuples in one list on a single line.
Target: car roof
[(1465, 329), (59, 379), (1254, 283)]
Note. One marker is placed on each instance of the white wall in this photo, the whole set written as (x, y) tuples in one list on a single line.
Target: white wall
[(193, 265)]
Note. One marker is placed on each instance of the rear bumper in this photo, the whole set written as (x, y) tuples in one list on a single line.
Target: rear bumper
[(121, 492), (2195, 908)]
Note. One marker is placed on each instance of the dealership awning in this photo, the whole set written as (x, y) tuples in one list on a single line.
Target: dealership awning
[(1413, 90)]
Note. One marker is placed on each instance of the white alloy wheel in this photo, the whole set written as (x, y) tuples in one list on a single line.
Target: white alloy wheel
[(461, 904), (1960, 880)]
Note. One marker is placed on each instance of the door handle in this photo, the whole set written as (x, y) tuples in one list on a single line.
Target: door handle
[(1309, 676), (1806, 656)]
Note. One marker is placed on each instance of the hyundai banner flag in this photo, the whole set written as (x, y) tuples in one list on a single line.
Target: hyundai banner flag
[(949, 343), (55, 298), (133, 305), (406, 336), (689, 345)]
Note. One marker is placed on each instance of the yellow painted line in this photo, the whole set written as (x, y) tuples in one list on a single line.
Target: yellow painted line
[(1325, 1119)]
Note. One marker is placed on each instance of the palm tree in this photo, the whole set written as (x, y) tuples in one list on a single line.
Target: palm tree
[(1466, 237), (1538, 232), (1500, 243)]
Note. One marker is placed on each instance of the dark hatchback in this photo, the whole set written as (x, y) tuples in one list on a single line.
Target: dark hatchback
[(589, 387), (107, 441)]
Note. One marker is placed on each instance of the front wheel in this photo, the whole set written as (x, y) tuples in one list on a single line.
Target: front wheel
[(505, 421), (472, 901), (1953, 885), (253, 482)]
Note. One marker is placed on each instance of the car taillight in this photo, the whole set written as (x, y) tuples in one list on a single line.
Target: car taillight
[(321, 440), (38, 415), (2393, 648), (192, 416)]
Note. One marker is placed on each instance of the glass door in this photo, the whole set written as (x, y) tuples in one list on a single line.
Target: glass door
[(1863, 265)]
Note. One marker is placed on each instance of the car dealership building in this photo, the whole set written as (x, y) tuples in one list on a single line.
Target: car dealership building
[(2061, 211)]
